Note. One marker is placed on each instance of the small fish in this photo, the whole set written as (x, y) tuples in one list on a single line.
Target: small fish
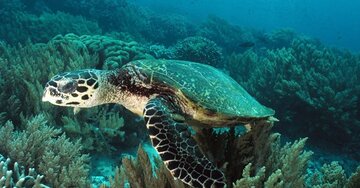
[(247, 44)]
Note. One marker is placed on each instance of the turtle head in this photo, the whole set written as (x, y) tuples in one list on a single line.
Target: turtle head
[(77, 89)]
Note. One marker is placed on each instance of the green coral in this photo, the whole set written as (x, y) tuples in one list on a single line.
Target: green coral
[(199, 49), (29, 66), (272, 162), (98, 128), (117, 15), (250, 181), (143, 172), (43, 27), (280, 38), (252, 159), (167, 29), (333, 176), (311, 87), (13, 175), (44, 148), (240, 157), (228, 36), (26, 75), (112, 53)]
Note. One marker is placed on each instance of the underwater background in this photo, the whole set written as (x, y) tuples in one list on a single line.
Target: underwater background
[(300, 58)]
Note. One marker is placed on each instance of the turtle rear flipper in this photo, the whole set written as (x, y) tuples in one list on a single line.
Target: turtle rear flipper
[(177, 148)]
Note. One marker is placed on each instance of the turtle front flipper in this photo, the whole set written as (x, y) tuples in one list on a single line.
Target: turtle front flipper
[(178, 150)]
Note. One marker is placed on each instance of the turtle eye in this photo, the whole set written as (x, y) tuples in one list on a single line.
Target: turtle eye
[(69, 87), (52, 92)]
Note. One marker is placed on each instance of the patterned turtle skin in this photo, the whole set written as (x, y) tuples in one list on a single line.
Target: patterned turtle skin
[(171, 95)]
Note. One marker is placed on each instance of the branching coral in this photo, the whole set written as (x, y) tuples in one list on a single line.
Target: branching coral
[(28, 68), (273, 163), (26, 75), (140, 172), (42, 147), (247, 180), (16, 176), (98, 128), (240, 157), (333, 176), (313, 88)]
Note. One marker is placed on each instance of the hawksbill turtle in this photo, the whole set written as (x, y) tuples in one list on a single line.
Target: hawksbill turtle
[(171, 95)]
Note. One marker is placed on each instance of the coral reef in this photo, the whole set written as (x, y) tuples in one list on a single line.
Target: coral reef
[(229, 37), (280, 38), (44, 148), (333, 175), (161, 52), (43, 27), (257, 150), (311, 87), (144, 172), (26, 74), (167, 29), (111, 53), (111, 15), (199, 49), (314, 89), (252, 159), (16, 176)]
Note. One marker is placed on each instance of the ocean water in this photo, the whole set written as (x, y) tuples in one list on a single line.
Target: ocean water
[(299, 58), (335, 23)]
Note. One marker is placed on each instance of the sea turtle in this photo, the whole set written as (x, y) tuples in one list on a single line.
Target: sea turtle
[(170, 95)]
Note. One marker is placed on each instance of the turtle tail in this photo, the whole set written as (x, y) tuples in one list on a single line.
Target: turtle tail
[(177, 148)]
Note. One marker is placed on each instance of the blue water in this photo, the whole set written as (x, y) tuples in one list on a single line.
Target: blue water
[(335, 23)]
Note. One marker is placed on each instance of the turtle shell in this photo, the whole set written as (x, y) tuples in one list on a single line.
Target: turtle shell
[(204, 85)]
